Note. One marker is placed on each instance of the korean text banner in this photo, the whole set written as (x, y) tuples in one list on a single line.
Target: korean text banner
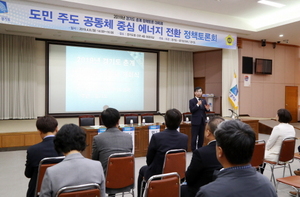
[(51, 17)]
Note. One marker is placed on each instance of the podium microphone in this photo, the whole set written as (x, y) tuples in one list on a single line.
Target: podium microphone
[(234, 115)]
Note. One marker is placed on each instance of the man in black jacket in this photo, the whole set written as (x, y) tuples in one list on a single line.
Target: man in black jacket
[(203, 163), (198, 108), (47, 127), (160, 143)]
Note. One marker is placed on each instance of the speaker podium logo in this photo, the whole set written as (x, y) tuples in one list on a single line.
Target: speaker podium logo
[(229, 40), (3, 7)]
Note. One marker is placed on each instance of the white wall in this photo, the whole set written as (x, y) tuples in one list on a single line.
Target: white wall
[(266, 94)]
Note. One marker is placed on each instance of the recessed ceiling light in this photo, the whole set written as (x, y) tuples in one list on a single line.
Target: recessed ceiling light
[(271, 3), (281, 35)]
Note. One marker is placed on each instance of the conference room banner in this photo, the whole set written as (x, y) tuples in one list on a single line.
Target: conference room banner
[(60, 18)]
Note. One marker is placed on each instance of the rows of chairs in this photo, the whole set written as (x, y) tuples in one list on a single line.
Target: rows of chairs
[(120, 176), (175, 162), (43, 165), (83, 190), (163, 185), (285, 157), (120, 172), (89, 120)]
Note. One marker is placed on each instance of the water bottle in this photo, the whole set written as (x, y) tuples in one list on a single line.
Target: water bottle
[(143, 121), (131, 122)]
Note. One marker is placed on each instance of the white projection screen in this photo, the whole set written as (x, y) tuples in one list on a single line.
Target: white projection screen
[(86, 79)]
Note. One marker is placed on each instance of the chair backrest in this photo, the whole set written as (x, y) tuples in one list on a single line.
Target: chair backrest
[(287, 150), (149, 118), (86, 120), (186, 116), (163, 185), (120, 171), (43, 165), (128, 117), (175, 161), (258, 153), (84, 190), (100, 120)]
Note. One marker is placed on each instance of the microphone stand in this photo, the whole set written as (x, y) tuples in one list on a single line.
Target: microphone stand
[(234, 115), (162, 116)]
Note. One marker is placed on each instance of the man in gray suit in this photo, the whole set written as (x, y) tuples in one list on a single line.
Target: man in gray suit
[(74, 169), (112, 140)]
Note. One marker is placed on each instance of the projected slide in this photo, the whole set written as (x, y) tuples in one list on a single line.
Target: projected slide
[(98, 77), (85, 79)]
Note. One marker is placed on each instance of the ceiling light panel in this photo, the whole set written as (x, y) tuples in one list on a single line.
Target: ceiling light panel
[(271, 3)]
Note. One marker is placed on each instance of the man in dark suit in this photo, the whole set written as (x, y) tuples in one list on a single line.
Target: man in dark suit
[(235, 141), (204, 162), (47, 127), (160, 143), (198, 107)]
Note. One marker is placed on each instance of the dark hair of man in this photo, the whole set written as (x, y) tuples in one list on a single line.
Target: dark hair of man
[(284, 116), (214, 122), (173, 118), (237, 140), (70, 137), (46, 124), (197, 88), (110, 117)]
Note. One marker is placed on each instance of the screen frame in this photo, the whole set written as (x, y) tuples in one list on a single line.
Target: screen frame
[(101, 46), (247, 65), (263, 66)]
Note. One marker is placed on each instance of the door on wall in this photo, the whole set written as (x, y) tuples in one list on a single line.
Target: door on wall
[(200, 82), (291, 101)]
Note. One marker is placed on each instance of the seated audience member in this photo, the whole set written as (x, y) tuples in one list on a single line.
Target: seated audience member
[(112, 140), (74, 169), (234, 149), (279, 132), (204, 162), (160, 143), (47, 128)]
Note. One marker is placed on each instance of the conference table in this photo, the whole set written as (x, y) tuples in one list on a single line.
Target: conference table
[(141, 135)]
